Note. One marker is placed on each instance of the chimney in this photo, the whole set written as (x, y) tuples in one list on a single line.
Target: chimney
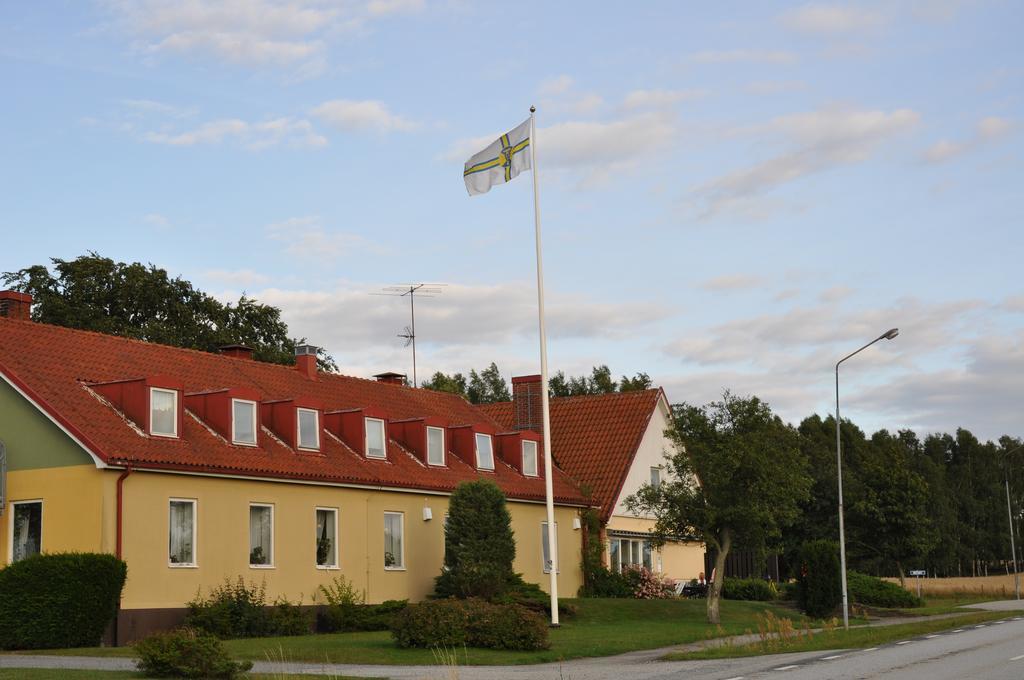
[(237, 351), (526, 403), (15, 305), (391, 378), (305, 360)]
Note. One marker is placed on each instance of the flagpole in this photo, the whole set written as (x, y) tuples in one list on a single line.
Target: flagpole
[(545, 406)]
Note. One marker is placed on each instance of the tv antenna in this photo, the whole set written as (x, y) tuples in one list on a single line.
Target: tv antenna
[(412, 290)]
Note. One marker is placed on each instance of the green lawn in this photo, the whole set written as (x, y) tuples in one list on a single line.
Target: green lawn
[(601, 627), (855, 638), (61, 673)]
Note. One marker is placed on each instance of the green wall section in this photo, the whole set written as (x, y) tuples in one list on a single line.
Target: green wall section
[(32, 440)]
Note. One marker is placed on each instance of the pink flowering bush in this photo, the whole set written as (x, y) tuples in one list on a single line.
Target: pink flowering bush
[(648, 585)]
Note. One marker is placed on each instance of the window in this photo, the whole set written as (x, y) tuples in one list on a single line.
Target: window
[(163, 412), (375, 438), (484, 452), (261, 535), (629, 552), (435, 446), (530, 458), (309, 429), (182, 550), (326, 538), (243, 422), (655, 477), (26, 529), (394, 555), (545, 554)]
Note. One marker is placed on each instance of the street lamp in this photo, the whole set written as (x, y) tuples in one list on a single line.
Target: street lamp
[(888, 335), (1009, 512)]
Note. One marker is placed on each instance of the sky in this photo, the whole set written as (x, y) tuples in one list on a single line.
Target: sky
[(733, 195)]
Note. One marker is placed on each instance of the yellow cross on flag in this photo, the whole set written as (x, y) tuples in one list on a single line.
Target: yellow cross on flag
[(505, 158)]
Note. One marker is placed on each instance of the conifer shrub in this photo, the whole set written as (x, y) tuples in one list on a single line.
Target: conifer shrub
[(187, 653), (820, 587), (59, 600)]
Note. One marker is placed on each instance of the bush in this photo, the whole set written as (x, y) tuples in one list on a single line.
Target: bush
[(820, 590), (874, 592), (59, 600), (479, 545), (472, 622), (754, 589), (647, 585), (346, 609), (186, 653), (604, 582), (532, 597), (238, 610)]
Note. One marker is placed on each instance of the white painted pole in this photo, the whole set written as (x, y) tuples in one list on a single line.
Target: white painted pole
[(545, 406)]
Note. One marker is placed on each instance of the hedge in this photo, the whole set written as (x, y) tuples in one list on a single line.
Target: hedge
[(820, 584), (472, 622), (755, 589), (874, 592), (59, 600)]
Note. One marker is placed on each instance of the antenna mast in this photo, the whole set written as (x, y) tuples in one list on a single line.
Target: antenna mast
[(411, 290)]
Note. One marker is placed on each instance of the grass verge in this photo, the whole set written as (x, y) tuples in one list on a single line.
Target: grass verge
[(69, 674), (831, 638), (602, 627)]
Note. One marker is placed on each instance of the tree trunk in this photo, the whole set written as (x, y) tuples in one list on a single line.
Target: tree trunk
[(715, 593), (903, 577)]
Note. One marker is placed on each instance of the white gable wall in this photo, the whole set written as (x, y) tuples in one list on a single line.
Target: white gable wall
[(651, 453)]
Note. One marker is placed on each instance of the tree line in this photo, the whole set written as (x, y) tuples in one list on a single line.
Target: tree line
[(488, 386)]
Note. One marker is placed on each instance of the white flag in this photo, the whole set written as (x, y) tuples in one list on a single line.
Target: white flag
[(501, 161)]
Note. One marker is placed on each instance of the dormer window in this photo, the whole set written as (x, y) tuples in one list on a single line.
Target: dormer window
[(375, 438), (529, 458), (484, 452), (163, 412), (309, 429), (243, 422), (435, 445)]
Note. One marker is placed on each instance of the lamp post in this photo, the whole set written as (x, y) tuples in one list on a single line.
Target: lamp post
[(1009, 513), (888, 335)]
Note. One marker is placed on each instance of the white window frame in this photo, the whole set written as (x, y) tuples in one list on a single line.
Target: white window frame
[(441, 430), (298, 428), (255, 423), (174, 418), (636, 546), (544, 547), (476, 446), (273, 539), (194, 564), (401, 526), (536, 459), (656, 476), (10, 526), (383, 438), (336, 562)]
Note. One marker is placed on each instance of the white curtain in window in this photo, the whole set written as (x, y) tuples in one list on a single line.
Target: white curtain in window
[(28, 530), (261, 534), (435, 446), (181, 549), (163, 416), (325, 540), (393, 540), (374, 438), (245, 421)]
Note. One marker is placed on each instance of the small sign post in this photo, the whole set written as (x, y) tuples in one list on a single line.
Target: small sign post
[(918, 573)]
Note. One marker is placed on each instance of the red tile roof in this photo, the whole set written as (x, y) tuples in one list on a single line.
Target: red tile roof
[(53, 366), (594, 438)]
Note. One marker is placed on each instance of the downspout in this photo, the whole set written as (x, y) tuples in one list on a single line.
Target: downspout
[(120, 509), (117, 549)]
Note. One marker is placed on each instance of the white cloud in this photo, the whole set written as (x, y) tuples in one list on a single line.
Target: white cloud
[(732, 282), (770, 87), (253, 136), (243, 278), (831, 19), (145, 107), (740, 56), (643, 99), (383, 7), (817, 141), (307, 238), (987, 130), (555, 86), (357, 116)]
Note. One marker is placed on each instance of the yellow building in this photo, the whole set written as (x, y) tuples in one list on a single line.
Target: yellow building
[(196, 467), (611, 444)]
